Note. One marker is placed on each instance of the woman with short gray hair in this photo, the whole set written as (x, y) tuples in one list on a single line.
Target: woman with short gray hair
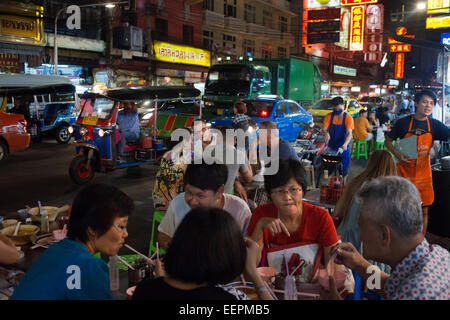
[(390, 218)]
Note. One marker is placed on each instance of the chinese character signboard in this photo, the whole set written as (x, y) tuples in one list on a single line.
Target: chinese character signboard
[(325, 14), (322, 37), (357, 28), (181, 54), (399, 65), (312, 4), (323, 26), (373, 50), (355, 2), (438, 6), (438, 22), (401, 48), (345, 27), (344, 71)]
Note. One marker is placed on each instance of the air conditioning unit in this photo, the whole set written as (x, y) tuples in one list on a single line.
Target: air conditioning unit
[(129, 38)]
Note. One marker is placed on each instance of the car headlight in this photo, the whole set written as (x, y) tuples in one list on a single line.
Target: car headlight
[(83, 131), (209, 103), (70, 129), (101, 132)]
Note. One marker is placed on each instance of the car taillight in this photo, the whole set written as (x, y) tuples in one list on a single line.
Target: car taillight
[(24, 123), (264, 113)]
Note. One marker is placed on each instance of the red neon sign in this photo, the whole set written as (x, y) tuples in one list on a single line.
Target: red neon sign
[(357, 28), (354, 2), (399, 65), (401, 48)]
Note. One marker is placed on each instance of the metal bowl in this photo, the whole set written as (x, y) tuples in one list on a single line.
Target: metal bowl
[(445, 163)]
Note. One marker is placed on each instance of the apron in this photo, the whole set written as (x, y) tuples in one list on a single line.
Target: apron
[(338, 133), (418, 171)]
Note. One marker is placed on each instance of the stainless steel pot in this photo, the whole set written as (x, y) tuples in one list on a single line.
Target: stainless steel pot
[(445, 163)]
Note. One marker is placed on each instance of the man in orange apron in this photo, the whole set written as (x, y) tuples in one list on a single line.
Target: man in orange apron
[(418, 171)]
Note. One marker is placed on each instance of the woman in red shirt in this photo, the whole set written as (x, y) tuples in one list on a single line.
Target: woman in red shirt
[(287, 219)]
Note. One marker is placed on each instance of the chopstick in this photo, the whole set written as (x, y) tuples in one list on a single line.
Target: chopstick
[(243, 280), (312, 295), (129, 266), (140, 254), (274, 296)]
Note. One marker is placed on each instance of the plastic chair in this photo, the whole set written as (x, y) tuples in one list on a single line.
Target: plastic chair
[(378, 145), (356, 146), (157, 218)]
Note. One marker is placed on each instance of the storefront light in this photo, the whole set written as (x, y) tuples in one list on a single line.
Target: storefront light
[(219, 59), (228, 58)]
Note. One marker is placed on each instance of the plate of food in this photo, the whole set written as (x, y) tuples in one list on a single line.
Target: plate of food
[(44, 240), (53, 212)]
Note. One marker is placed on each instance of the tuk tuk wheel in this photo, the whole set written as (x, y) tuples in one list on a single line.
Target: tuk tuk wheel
[(3, 151), (62, 134), (78, 170)]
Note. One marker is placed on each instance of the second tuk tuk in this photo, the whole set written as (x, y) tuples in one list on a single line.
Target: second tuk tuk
[(96, 133)]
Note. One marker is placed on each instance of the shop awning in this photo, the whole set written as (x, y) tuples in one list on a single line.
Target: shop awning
[(20, 49)]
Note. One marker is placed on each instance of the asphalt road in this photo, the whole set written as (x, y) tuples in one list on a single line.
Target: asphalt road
[(40, 173)]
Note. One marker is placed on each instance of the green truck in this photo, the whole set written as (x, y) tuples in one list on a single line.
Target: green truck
[(292, 78)]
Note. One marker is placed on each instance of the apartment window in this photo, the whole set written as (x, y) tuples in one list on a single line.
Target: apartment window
[(229, 8), (267, 19), (208, 39), (187, 12), (208, 5), (229, 41), (161, 30), (249, 47), (281, 52), (249, 13), (188, 34), (283, 22), (266, 51)]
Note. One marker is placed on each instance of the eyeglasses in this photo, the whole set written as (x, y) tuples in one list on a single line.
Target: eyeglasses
[(121, 228), (291, 191)]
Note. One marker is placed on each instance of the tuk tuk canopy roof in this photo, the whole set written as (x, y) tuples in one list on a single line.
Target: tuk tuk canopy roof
[(30, 80), (40, 90), (132, 94)]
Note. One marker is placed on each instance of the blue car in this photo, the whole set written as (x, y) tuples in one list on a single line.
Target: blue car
[(289, 116)]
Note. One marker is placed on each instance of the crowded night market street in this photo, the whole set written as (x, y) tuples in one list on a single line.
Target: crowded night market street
[(200, 152)]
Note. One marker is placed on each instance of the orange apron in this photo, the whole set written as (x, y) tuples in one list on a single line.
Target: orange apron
[(418, 171)]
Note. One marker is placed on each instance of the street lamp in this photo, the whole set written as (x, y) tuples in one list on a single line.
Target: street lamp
[(55, 46), (421, 5)]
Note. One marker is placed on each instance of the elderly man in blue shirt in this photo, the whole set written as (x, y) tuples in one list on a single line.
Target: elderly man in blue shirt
[(128, 126)]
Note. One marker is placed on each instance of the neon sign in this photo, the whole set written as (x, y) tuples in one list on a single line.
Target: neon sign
[(399, 65), (357, 29)]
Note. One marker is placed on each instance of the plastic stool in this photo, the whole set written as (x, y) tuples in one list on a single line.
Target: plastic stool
[(356, 146), (378, 145), (157, 217)]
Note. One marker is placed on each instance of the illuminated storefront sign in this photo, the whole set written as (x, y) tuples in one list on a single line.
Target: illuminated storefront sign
[(357, 29), (345, 27), (344, 71), (401, 48), (438, 22), (355, 2), (311, 4), (181, 54), (438, 6), (373, 51), (392, 41), (445, 38), (21, 23), (399, 65)]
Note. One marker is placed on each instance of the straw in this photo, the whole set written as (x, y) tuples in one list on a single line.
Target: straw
[(274, 296), (140, 254), (118, 257), (243, 280), (64, 228), (299, 265), (157, 251), (312, 295), (286, 262)]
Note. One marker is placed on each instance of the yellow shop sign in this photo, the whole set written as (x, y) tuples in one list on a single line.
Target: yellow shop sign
[(169, 52), (21, 27)]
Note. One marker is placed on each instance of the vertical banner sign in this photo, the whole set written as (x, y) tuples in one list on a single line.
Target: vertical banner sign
[(344, 28), (357, 29), (373, 50), (399, 65)]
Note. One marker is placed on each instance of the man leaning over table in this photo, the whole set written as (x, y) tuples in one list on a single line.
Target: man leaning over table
[(418, 171), (390, 219), (204, 187)]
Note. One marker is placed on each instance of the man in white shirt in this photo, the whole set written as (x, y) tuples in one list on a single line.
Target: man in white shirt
[(204, 187)]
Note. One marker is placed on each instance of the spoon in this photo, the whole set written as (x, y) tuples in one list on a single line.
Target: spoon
[(17, 228)]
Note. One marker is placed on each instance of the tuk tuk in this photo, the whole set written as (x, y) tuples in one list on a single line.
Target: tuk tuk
[(97, 136), (49, 109)]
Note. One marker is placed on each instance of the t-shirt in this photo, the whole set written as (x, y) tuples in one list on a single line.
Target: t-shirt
[(234, 159), (54, 276), (316, 225), (348, 121), (158, 289), (361, 127), (128, 122), (439, 131), (241, 121), (178, 209)]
